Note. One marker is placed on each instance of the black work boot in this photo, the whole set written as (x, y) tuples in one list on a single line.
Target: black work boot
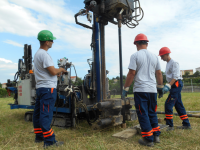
[(58, 143), (170, 128), (145, 142), (38, 141), (184, 127), (156, 139)]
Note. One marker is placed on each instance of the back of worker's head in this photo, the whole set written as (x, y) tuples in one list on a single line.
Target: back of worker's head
[(141, 41)]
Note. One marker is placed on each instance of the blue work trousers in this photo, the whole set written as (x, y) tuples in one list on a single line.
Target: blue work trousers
[(146, 106), (174, 99), (43, 115)]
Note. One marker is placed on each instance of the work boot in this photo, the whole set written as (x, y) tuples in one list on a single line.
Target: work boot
[(145, 142), (58, 143), (184, 127), (156, 139), (38, 141), (170, 128)]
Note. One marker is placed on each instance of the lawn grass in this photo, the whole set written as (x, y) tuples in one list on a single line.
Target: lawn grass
[(17, 134)]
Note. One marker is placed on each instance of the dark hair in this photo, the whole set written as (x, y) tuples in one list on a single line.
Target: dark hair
[(141, 42), (42, 43)]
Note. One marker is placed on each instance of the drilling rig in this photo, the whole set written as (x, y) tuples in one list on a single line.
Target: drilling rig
[(89, 100)]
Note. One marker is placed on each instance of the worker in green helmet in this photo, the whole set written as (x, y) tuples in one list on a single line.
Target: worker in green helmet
[(46, 83)]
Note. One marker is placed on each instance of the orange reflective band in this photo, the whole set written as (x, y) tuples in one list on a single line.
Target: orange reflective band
[(47, 132), (156, 130), (156, 108), (177, 84), (48, 135), (147, 132), (37, 132), (168, 115), (52, 90), (184, 118), (147, 135), (36, 129)]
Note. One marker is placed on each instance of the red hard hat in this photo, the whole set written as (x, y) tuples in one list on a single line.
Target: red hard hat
[(164, 50), (141, 37)]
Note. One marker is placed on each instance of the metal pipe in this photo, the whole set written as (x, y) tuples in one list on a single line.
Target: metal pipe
[(102, 105), (103, 61), (98, 60), (189, 115), (29, 57), (120, 52), (81, 24), (119, 19), (26, 57), (104, 122)]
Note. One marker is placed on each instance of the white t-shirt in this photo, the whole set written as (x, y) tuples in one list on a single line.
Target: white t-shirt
[(43, 78), (172, 70), (145, 64)]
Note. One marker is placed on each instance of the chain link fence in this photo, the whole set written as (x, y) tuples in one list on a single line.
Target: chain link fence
[(190, 89)]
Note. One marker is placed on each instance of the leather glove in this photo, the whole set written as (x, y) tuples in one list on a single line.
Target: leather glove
[(166, 88), (124, 92), (160, 90)]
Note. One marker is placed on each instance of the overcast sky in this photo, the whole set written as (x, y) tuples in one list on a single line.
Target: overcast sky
[(171, 23)]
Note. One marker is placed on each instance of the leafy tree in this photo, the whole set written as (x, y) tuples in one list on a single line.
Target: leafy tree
[(117, 78), (0, 85), (164, 78), (187, 73), (79, 82), (197, 73)]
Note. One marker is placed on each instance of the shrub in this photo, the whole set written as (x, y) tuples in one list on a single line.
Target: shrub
[(3, 92)]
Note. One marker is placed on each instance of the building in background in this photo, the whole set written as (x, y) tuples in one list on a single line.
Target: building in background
[(73, 78), (4, 85), (198, 69), (184, 71)]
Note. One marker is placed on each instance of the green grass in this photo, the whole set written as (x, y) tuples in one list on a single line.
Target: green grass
[(17, 134)]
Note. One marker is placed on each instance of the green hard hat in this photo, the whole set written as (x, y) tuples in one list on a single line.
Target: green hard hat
[(45, 35)]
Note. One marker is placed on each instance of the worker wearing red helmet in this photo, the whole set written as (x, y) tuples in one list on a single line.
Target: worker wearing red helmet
[(142, 68), (174, 86)]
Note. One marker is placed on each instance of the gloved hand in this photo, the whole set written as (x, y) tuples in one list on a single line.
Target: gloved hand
[(160, 90), (124, 92), (166, 88)]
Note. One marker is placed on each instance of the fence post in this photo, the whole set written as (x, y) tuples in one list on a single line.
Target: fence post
[(191, 85)]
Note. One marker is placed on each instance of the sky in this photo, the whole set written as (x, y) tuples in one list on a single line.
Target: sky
[(166, 23)]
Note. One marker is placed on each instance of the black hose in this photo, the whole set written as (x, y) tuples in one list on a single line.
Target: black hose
[(189, 115), (15, 79)]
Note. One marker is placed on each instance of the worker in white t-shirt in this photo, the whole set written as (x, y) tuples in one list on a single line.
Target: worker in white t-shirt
[(46, 83), (174, 86), (144, 69)]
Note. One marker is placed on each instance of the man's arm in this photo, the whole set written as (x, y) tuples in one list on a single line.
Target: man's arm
[(159, 77), (172, 81), (129, 78), (54, 71)]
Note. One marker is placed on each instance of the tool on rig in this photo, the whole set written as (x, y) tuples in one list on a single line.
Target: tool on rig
[(91, 100)]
